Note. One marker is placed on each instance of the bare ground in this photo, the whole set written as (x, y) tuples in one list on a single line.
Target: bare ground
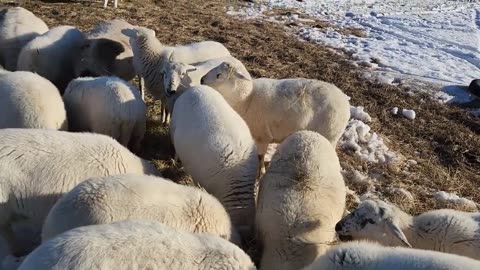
[(443, 139)]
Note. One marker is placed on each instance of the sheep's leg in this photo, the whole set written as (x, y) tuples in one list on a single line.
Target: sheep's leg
[(115, 3), (141, 86), (262, 150), (105, 3), (163, 112)]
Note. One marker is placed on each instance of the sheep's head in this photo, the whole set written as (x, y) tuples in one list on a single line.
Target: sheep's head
[(97, 57), (176, 74), (226, 78), (372, 220)]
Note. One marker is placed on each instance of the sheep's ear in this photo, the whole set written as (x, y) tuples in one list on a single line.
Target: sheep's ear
[(240, 75), (393, 227), (191, 68), (170, 58), (129, 32)]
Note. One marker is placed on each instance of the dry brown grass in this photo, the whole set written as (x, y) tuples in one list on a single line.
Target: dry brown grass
[(443, 139)]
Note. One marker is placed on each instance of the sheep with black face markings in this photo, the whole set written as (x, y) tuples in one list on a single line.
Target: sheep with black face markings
[(301, 197), (444, 230)]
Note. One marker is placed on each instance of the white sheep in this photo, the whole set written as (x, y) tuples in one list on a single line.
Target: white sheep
[(115, 3), (107, 105), (444, 230), (106, 52), (52, 55), (28, 100), (179, 76), (136, 244), (17, 27), (128, 196), (372, 256), (217, 149), (150, 56), (301, 198), (274, 109), (38, 166)]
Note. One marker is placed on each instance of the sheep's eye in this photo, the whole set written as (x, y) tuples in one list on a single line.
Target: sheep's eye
[(182, 75), (218, 75)]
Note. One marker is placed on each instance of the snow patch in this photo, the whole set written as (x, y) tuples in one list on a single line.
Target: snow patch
[(434, 41), (358, 113), (445, 197), (366, 145), (409, 114)]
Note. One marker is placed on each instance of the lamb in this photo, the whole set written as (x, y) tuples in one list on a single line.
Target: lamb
[(52, 55), (18, 26), (136, 244), (108, 199), (372, 256), (106, 52), (107, 105), (444, 230), (150, 56), (218, 151), (301, 197), (274, 109), (180, 76), (38, 166), (115, 3), (28, 100)]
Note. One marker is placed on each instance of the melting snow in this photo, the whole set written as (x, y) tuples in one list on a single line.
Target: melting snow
[(434, 41), (445, 197)]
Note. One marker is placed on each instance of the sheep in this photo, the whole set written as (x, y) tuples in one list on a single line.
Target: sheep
[(107, 105), (40, 165), (52, 55), (444, 230), (114, 198), (180, 76), (28, 100), (216, 148), (274, 109), (136, 244), (115, 3), (301, 197), (372, 256), (150, 56), (106, 52), (17, 27)]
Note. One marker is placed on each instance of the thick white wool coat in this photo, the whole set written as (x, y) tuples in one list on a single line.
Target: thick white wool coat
[(444, 230), (107, 105), (18, 26), (301, 198), (136, 244), (217, 149), (107, 52), (38, 166), (28, 100), (372, 256), (52, 55), (274, 109), (150, 58), (128, 196)]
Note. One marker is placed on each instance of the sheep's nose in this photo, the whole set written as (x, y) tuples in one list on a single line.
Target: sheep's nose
[(338, 227), (202, 80)]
